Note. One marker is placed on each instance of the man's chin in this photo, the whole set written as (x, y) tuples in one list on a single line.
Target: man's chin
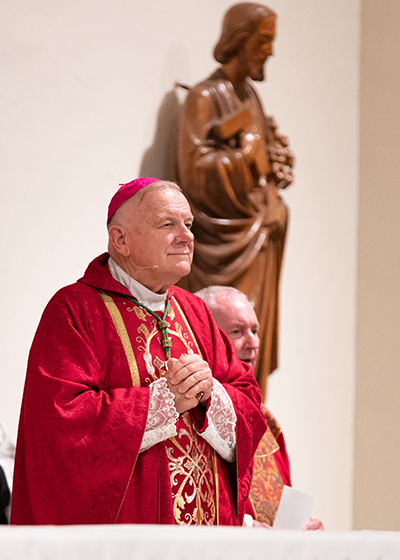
[(251, 363), (184, 268)]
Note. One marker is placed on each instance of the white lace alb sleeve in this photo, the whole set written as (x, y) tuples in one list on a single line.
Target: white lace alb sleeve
[(221, 430), (161, 416)]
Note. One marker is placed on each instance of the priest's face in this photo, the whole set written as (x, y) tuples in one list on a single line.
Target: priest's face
[(257, 49), (236, 316), (159, 241)]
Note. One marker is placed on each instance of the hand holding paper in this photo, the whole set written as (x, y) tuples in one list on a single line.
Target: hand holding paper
[(294, 510)]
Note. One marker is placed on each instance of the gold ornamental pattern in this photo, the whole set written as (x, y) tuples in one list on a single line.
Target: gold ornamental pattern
[(192, 477)]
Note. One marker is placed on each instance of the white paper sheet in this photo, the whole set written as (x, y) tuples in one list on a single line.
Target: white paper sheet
[(294, 509)]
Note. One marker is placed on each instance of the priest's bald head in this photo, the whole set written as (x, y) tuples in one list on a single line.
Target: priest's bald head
[(149, 223), (235, 315)]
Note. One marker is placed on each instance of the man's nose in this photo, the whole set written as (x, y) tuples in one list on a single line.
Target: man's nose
[(252, 340), (184, 234)]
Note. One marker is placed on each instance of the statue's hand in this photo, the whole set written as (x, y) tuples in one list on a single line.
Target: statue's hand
[(282, 160), (277, 213)]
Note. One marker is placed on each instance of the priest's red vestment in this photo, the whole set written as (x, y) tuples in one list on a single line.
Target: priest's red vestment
[(85, 408), (270, 473)]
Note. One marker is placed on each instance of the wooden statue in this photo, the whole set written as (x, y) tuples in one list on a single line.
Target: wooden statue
[(232, 163)]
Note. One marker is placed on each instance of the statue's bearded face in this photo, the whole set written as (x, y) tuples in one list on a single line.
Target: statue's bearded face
[(258, 48)]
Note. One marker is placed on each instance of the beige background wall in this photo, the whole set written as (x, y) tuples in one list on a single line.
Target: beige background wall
[(377, 440), (87, 102)]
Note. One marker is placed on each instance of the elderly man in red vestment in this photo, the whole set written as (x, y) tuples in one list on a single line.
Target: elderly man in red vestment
[(235, 315), (135, 407)]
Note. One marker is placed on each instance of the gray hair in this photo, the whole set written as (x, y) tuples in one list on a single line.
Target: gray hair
[(212, 294)]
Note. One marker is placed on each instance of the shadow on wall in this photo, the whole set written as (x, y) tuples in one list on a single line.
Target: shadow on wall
[(159, 159)]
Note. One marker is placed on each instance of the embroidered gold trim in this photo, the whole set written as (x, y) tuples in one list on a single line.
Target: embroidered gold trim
[(171, 313), (192, 480), (178, 334), (147, 356), (214, 455), (123, 334), (187, 325), (140, 314), (215, 465)]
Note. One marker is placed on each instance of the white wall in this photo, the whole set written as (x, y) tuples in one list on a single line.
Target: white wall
[(312, 393), (87, 95)]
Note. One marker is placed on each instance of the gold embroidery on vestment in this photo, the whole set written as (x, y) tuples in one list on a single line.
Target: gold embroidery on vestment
[(140, 313), (215, 466), (182, 337), (147, 356), (192, 478), (123, 334), (144, 330), (187, 326), (171, 313), (161, 366)]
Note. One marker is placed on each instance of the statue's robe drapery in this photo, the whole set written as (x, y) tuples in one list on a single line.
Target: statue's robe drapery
[(227, 156), (85, 409)]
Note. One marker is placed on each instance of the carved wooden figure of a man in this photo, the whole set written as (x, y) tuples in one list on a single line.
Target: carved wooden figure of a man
[(232, 163)]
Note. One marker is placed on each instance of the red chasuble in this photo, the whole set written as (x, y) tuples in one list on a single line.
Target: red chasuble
[(85, 408)]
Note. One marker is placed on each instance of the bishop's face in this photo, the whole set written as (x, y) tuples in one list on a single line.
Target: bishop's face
[(257, 49), (160, 243)]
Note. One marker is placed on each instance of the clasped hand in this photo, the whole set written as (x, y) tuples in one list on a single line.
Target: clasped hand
[(187, 377)]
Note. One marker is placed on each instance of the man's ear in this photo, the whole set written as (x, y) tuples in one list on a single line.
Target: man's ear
[(118, 238)]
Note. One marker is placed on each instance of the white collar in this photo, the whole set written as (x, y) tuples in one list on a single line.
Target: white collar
[(155, 302)]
